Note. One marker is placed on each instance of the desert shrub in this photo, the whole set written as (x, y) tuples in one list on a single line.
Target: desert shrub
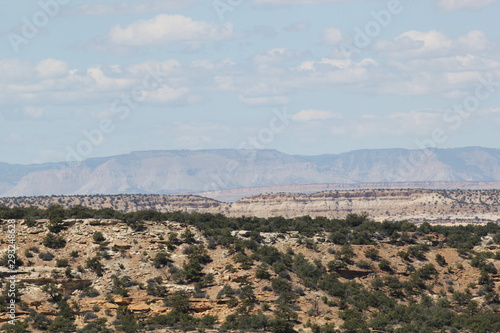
[(34, 249), (354, 321), (372, 253), (126, 321), (161, 259), (56, 225), (440, 260), (262, 274), (385, 265), (188, 237), (18, 327), (363, 264), (96, 326), (89, 316), (98, 237), (54, 241), (427, 271), (46, 256), (62, 262), (11, 260), (30, 222), (89, 292), (154, 287), (95, 265), (246, 322), (135, 224), (345, 254), (334, 265), (338, 237), (226, 291), (39, 321), (28, 253), (120, 285), (418, 251), (198, 253), (179, 301), (244, 260), (53, 291)]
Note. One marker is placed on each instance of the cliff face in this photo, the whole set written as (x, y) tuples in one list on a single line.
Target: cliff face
[(441, 206), (177, 172), (413, 205)]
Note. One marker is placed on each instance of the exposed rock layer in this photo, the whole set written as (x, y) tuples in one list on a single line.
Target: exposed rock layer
[(464, 206)]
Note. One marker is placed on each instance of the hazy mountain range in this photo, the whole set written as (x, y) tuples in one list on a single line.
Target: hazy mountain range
[(185, 171)]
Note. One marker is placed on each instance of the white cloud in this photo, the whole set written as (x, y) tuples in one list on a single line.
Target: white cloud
[(474, 40), (15, 70), (205, 64), (417, 123), (297, 26), (334, 72), (416, 44), (265, 31), (453, 5), (224, 83), (15, 138), (169, 29), (414, 64), (332, 36), (34, 112), (299, 2), (265, 101), (309, 115), (425, 44), (276, 55), (52, 68), (166, 67), (444, 5), (50, 81), (132, 7), (104, 82), (165, 94)]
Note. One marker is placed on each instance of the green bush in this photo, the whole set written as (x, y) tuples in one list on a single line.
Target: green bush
[(95, 265), (89, 292), (62, 262), (56, 225), (161, 259), (54, 241), (11, 259), (372, 253), (262, 274), (440, 260), (98, 237), (385, 265), (46, 256), (53, 291)]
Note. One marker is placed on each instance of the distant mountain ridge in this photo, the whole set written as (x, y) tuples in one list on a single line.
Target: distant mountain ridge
[(195, 171)]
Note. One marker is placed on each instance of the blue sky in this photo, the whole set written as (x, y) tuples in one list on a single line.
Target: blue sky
[(84, 79)]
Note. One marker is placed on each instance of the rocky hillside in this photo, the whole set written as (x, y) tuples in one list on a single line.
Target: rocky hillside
[(435, 206), (233, 195), (189, 272), (181, 172)]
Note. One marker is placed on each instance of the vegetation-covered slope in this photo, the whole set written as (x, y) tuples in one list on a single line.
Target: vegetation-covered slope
[(90, 270)]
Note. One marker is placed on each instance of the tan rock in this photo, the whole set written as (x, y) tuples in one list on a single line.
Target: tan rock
[(139, 307), (110, 306), (121, 246), (122, 300)]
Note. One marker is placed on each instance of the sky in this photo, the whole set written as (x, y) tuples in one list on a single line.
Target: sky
[(82, 79)]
